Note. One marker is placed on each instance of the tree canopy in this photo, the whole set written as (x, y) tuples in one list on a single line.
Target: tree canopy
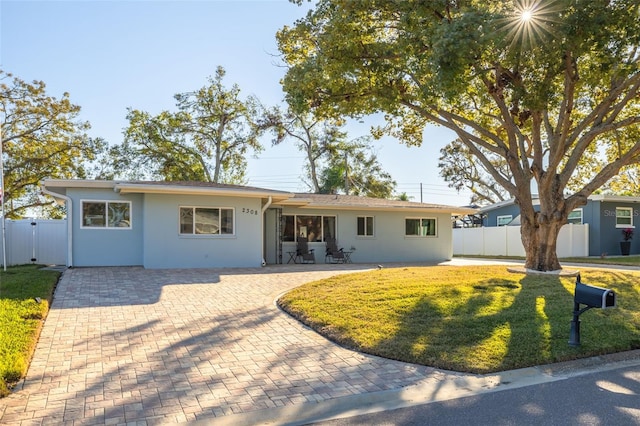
[(541, 84), (41, 138), (316, 138), (460, 170), (333, 162), (627, 182), (207, 139), (354, 169)]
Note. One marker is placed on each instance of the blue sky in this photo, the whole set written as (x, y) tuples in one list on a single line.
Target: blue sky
[(114, 55)]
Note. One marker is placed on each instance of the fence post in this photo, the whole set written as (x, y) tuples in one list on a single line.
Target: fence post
[(484, 241), (33, 241)]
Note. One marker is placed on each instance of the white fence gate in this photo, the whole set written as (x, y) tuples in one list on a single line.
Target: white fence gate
[(35, 241), (573, 241)]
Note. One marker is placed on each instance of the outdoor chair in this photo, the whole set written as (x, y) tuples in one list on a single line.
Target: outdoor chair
[(333, 254), (302, 251)]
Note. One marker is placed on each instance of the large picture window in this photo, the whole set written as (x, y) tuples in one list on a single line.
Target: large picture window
[(206, 221), (314, 228), (624, 217), (106, 214), (420, 227), (365, 226)]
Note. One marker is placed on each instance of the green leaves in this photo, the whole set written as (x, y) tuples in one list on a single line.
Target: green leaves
[(333, 163), (207, 139), (460, 170), (541, 96), (41, 138), (354, 170)]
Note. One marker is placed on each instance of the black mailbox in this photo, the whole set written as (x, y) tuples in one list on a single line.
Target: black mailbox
[(596, 297), (592, 297)]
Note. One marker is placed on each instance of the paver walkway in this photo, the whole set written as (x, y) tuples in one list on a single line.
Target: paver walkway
[(129, 345)]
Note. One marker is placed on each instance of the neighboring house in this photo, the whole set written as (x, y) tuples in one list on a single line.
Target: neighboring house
[(201, 225), (606, 215)]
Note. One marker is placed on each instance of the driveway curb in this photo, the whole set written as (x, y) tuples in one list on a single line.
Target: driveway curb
[(443, 386)]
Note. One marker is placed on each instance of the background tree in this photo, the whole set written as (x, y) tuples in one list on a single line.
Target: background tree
[(332, 162), (316, 138), (404, 197), (458, 167), (207, 140), (627, 182), (353, 169), (540, 84), (41, 138), (155, 147)]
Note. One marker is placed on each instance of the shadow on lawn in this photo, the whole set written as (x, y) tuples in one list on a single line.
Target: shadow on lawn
[(504, 325)]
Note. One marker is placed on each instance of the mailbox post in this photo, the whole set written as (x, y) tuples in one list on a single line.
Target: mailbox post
[(592, 297)]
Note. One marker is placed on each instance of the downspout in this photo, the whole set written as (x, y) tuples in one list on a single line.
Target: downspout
[(264, 209), (69, 222)]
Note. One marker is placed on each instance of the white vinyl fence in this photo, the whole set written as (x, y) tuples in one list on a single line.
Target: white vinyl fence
[(35, 241), (573, 240)]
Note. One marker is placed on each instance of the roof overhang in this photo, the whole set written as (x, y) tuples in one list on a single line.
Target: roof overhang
[(512, 201), (614, 198), (595, 197), (78, 183), (309, 204), (133, 188), (159, 188)]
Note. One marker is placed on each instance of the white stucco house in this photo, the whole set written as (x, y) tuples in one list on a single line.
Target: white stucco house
[(205, 225)]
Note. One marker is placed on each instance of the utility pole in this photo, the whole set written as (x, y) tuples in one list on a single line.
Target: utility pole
[(346, 173)]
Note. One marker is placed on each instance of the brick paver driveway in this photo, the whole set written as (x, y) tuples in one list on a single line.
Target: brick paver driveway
[(129, 345)]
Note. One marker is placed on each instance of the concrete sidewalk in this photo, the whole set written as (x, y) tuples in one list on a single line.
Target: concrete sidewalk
[(129, 345)]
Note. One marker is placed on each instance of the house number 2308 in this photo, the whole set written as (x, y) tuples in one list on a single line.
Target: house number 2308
[(249, 211)]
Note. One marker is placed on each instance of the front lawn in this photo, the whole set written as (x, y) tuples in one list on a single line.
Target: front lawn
[(605, 260), (471, 319), (21, 318)]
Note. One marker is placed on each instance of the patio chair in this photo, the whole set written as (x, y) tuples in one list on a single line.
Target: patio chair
[(302, 251), (333, 254)]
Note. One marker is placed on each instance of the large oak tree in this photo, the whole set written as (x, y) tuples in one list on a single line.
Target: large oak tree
[(207, 139), (542, 84), (42, 137)]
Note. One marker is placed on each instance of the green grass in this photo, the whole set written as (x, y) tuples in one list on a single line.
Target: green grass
[(21, 318), (467, 319), (615, 260)]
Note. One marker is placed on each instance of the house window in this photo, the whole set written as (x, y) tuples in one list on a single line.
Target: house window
[(365, 226), (420, 227), (575, 217), (106, 214), (288, 228), (328, 227), (314, 228), (624, 217), (504, 220), (206, 221)]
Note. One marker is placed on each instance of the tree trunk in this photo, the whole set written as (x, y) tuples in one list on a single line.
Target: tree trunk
[(539, 239), (312, 170)]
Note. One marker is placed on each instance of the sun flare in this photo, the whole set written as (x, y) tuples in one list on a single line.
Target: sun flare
[(531, 22), (526, 15)]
